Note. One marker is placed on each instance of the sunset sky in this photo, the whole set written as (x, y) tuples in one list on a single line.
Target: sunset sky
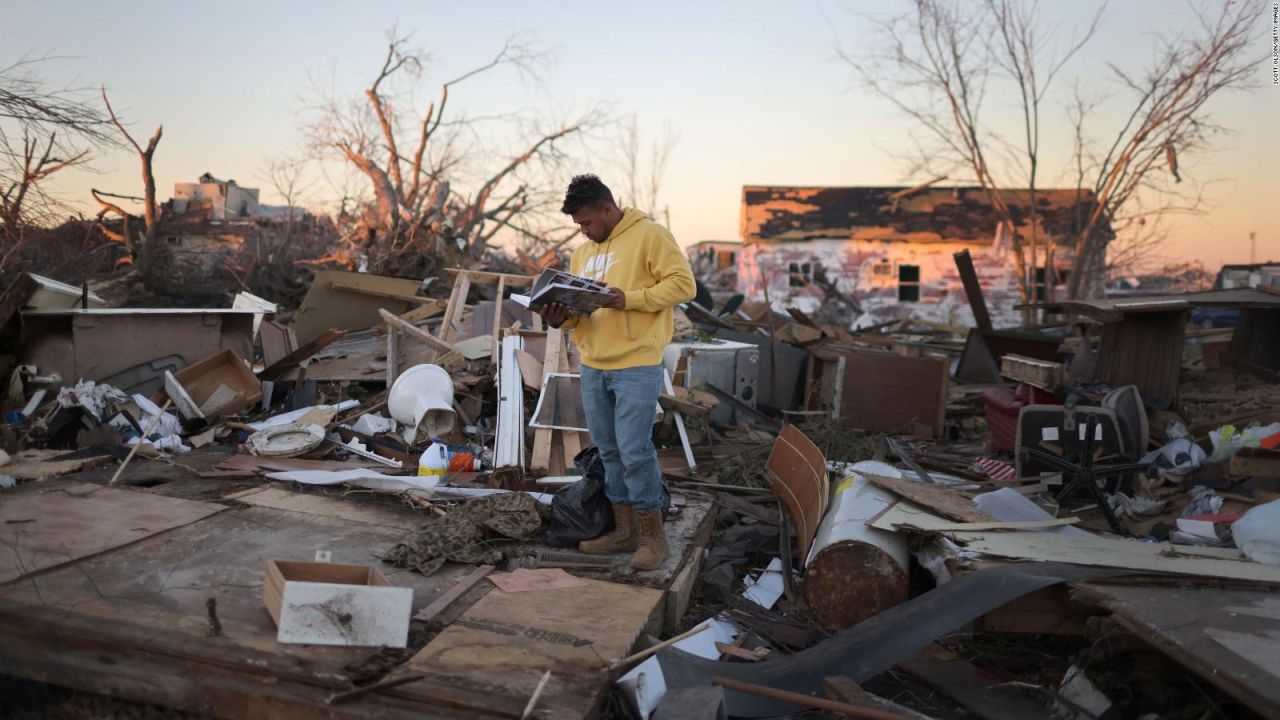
[(753, 91)]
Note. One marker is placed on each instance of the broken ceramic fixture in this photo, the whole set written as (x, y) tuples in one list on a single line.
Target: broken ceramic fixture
[(422, 400), (286, 440)]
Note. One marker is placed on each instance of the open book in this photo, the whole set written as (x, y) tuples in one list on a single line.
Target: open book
[(578, 294)]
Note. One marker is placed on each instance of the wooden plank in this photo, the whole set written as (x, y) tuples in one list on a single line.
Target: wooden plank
[(681, 592), (207, 677), (165, 580), (1043, 374), (450, 596), (688, 408), (944, 501), (961, 681), (412, 331), (393, 355), (736, 652), (36, 464), (540, 458), (431, 309), (530, 369), (347, 509), (1026, 525), (973, 290), (1230, 637), (1047, 611), (497, 317), (493, 656), (457, 305), (450, 309), (290, 361), (1252, 462), (844, 689), (511, 279), (43, 530), (1136, 555)]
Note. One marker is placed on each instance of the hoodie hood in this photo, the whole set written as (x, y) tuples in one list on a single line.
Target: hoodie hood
[(630, 217)]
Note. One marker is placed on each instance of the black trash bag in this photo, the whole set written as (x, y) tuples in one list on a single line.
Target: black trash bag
[(580, 511)]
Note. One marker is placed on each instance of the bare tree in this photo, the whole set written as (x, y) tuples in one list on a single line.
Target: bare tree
[(417, 165), (287, 176), (24, 201), (144, 255), (644, 168), (1169, 120), (934, 66), (44, 130)]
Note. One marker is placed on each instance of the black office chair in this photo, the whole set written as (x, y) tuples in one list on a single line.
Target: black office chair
[(1077, 465)]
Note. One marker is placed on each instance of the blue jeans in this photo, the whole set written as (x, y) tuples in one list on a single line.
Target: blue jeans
[(621, 406)]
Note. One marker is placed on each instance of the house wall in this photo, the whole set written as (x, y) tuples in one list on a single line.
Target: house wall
[(222, 200), (241, 202), (868, 271)]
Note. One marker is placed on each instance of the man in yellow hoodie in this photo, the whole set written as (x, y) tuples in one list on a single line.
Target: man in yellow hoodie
[(621, 346)]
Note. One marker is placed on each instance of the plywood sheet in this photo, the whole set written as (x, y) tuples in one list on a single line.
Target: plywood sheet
[(163, 582), (886, 392), (150, 599), (493, 656), (1230, 637), (335, 507), (40, 530), (937, 498), (326, 306), (1113, 552), (36, 464)]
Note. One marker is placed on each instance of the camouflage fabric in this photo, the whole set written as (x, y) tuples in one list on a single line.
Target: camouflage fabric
[(462, 535)]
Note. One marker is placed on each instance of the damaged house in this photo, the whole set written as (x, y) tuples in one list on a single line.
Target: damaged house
[(889, 249)]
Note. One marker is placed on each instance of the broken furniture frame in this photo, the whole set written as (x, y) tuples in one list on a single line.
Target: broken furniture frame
[(1077, 465), (463, 280)]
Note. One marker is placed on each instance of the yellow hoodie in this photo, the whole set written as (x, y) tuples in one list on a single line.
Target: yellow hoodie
[(641, 258)]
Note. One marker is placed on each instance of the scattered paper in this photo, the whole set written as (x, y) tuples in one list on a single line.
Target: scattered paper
[(645, 685), (1009, 505), (766, 589)]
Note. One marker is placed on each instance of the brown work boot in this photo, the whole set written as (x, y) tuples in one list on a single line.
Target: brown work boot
[(653, 542), (625, 536)]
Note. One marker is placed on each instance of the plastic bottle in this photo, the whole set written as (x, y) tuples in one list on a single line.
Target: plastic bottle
[(435, 460)]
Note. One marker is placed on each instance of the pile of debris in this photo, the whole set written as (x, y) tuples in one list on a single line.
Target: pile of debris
[(908, 520)]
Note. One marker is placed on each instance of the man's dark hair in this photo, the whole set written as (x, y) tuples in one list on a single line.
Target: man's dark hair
[(585, 190)]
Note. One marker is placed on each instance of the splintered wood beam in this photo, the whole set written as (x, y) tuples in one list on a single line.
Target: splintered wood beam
[(540, 459), (418, 314), (416, 333), (511, 279), (457, 305), (497, 316)]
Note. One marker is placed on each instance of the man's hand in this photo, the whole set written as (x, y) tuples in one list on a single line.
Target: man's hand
[(618, 299), (554, 313)]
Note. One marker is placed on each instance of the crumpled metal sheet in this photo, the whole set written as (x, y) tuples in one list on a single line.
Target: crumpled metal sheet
[(877, 644)]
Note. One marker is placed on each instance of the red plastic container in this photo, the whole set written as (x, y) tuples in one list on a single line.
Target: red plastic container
[(1003, 406)]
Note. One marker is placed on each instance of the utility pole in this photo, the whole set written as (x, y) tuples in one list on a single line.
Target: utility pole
[(1253, 248)]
